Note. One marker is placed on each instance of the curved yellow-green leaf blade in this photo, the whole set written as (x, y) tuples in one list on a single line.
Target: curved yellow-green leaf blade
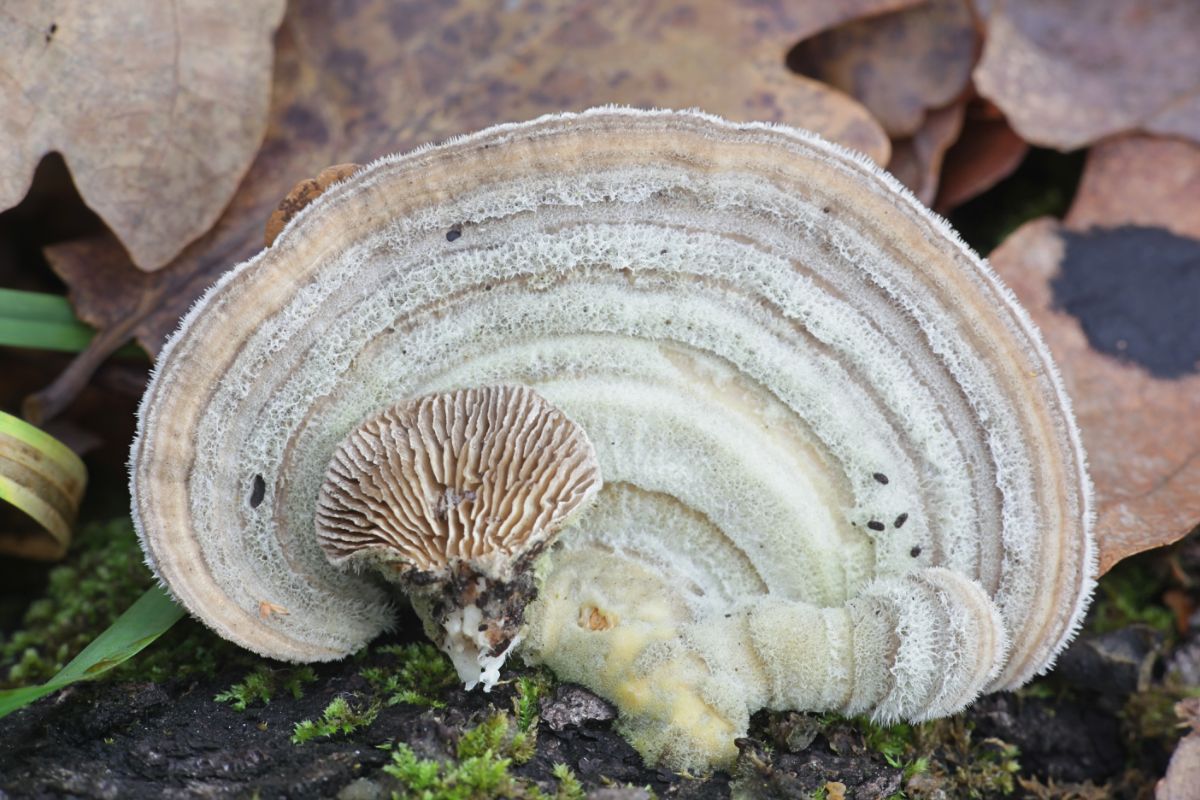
[(44, 480), (147, 619)]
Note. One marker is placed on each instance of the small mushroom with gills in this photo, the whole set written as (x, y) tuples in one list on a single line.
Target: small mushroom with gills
[(453, 497)]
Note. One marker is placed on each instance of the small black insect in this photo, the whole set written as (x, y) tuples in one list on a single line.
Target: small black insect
[(916, 551), (900, 520), (879, 476), (453, 234), (875, 525)]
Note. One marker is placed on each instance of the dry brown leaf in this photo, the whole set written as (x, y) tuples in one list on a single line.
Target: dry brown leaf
[(1140, 180), (917, 161), (355, 81), (898, 65), (1183, 773), (1141, 432), (982, 9), (809, 17), (1070, 72), (1131, 366), (986, 152), (158, 108)]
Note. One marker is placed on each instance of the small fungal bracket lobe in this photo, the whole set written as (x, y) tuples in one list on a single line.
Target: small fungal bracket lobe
[(840, 471)]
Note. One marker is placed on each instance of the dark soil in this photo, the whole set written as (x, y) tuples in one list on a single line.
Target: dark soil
[(145, 740)]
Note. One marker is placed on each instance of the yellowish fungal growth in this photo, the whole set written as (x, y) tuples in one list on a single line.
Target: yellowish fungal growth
[(840, 471)]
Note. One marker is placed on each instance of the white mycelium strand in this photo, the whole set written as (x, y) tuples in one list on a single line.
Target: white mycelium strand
[(840, 470)]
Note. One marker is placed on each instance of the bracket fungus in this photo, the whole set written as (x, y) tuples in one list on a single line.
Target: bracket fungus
[(840, 470)]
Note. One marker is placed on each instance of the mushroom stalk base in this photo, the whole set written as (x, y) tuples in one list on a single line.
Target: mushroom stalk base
[(474, 618)]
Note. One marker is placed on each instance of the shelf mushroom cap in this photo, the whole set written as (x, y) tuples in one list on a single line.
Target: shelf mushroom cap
[(840, 469), (453, 496)]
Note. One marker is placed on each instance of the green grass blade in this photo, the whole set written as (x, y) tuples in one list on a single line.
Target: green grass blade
[(16, 304), (148, 618), (44, 322)]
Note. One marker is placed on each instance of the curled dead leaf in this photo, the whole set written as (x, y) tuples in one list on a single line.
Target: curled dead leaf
[(917, 161), (157, 108), (1070, 72), (807, 18), (987, 151), (898, 65)]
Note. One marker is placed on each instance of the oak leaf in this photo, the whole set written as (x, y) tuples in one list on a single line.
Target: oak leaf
[(899, 65), (356, 81), (158, 108), (1070, 72)]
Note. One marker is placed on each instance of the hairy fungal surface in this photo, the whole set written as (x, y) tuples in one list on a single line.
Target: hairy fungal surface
[(840, 471)]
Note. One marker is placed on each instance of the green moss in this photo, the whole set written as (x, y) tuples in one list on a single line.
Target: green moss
[(994, 769), (526, 702), (483, 771), (499, 735), (893, 742), (188, 650), (1131, 593), (102, 576), (1148, 719), (419, 776), (418, 676), (339, 717), (476, 778), (918, 766), (896, 743), (941, 758), (259, 685), (957, 765), (255, 687), (569, 787)]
